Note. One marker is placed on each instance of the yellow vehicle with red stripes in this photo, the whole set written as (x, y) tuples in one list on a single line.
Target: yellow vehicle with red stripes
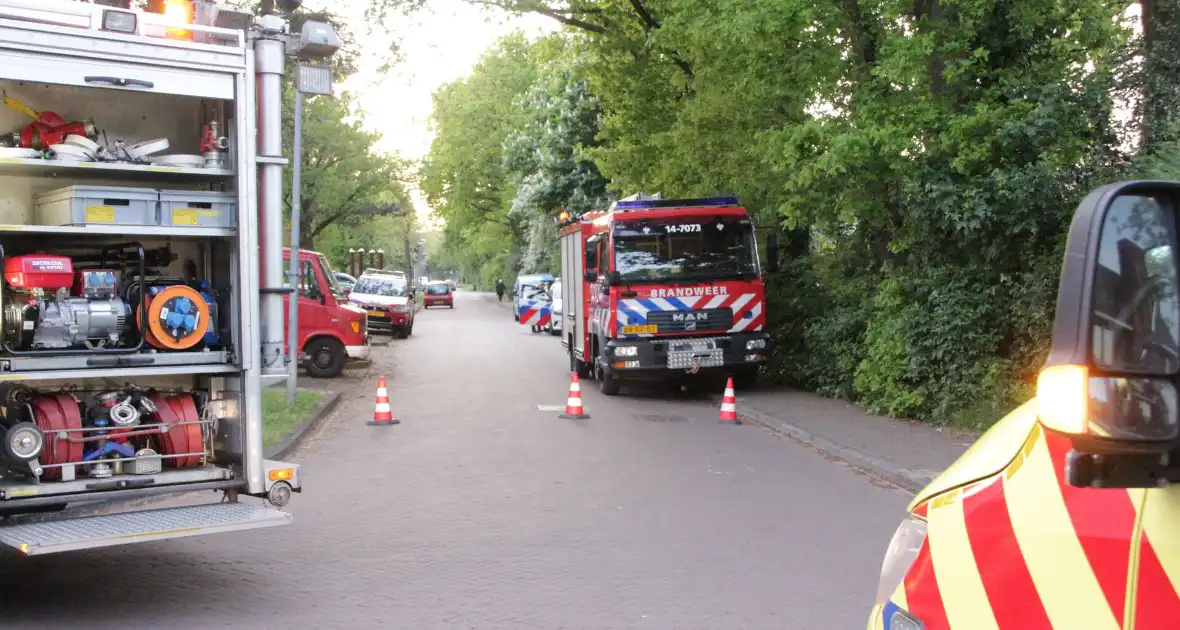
[(1066, 514)]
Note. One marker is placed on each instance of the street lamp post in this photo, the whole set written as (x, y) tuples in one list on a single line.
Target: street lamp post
[(317, 40)]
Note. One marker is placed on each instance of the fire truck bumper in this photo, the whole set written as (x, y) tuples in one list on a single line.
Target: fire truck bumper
[(687, 354)]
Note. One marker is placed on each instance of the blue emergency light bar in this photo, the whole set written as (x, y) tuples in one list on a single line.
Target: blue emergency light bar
[(651, 204)]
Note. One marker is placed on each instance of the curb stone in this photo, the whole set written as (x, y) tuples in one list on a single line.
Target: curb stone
[(328, 402), (288, 442), (906, 478)]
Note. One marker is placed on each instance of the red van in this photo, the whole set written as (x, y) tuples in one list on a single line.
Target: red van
[(438, 294), (332, 332)]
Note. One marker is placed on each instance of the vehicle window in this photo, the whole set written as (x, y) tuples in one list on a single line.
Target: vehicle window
[(333, 280), (1136, 311), (437, 289), (648, 250), (530, 291), (376, 285), (592, 253), (309, 286)]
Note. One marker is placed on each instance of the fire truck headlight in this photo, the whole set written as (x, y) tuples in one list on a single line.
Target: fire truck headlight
[(627, 351), (903, 550), (755, 344)]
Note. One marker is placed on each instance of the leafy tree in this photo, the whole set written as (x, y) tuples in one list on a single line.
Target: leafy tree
[(922, 157), (546, 157), (464, 177), (346, 183)]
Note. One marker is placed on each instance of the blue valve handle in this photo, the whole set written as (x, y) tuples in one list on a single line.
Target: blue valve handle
[(107, 448)]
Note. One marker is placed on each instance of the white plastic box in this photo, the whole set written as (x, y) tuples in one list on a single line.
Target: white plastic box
[(98, 205), (198, 208)]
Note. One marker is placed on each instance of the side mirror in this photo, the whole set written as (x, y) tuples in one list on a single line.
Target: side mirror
[(1108, 382), (772, 252), (590, 276)]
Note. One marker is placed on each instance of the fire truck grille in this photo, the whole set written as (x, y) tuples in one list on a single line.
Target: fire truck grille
[(713, 319)]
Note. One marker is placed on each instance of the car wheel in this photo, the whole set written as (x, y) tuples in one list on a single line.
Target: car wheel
[(325, 357), (608, 383)]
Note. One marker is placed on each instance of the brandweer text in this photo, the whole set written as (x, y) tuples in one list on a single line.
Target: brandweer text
[(689, 292)]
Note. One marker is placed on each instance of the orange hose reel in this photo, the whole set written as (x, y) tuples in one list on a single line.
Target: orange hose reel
[(177, 318)]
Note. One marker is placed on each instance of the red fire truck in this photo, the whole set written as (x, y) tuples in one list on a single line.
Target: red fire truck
[(658, 288)]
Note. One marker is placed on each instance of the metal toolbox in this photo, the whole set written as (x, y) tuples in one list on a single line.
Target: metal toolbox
[(98, 205), (198, 208)]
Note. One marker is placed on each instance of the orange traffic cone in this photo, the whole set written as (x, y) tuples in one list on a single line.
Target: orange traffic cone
[(382, 414), (729, 405), (573, 404)]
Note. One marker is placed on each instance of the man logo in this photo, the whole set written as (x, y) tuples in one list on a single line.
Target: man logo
[(690, 326), (690, 317)]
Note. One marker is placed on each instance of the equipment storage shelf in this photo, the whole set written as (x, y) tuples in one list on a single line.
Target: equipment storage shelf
[(127, 183), (72, 147), (121, 230), (40, 167), (119, 203), (119, 372)]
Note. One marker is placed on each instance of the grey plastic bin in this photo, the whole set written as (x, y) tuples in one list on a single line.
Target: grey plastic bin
[(98, 205), (198, 208)]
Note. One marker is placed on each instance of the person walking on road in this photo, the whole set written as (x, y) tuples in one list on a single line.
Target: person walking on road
[(500, 290)]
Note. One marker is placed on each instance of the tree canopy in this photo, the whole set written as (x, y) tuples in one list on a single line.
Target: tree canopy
[(921, 159), (351, 194)]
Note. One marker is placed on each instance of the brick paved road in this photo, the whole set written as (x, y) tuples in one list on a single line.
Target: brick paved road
[(479, 511)]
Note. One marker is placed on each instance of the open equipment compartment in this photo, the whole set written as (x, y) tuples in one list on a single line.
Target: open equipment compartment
[(123, 298)]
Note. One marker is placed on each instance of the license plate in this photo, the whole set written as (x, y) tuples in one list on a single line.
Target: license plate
[(378, 314), (694, 346), (649, 329)]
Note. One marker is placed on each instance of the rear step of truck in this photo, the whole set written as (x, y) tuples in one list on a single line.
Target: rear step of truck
[(89, 532)]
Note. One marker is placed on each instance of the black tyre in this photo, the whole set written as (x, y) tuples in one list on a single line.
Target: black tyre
[(579, 367), (325, 357), (608, 383), (746, 377)]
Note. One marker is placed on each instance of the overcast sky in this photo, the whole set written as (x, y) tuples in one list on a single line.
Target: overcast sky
[(439, 45)]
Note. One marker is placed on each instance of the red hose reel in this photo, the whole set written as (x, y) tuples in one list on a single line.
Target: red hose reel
[(57, 412), (185, 438)]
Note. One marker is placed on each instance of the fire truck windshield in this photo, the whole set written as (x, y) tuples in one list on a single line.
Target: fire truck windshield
[(703, 249)]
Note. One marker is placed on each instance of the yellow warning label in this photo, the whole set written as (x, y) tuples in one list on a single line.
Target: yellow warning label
[(100, 214), (213, 214), (185, 216)]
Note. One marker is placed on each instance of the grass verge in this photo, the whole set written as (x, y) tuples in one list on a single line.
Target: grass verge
[(278, 417)]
